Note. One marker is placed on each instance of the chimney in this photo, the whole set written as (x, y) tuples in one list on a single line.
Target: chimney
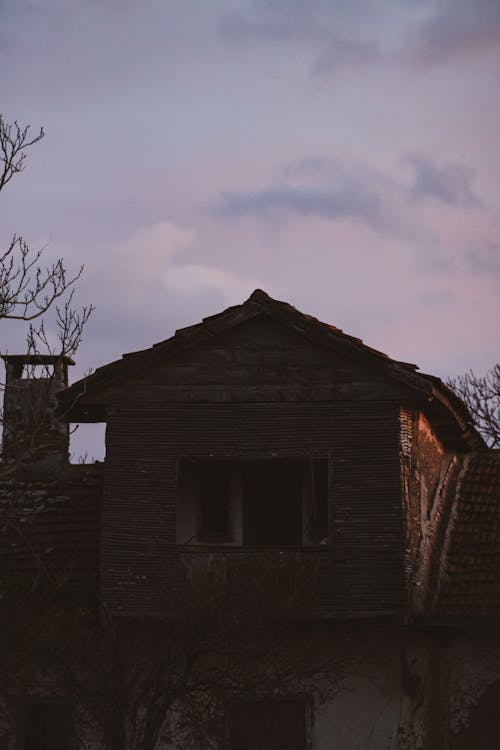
[(33, 433)]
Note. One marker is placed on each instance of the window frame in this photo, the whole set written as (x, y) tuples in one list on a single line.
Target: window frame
[(315, 518)]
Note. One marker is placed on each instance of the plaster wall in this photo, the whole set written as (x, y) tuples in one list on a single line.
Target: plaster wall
[(365, 714), (474, 679), (448, 699)]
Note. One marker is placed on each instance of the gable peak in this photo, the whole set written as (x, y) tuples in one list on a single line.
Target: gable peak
[(259, 295)]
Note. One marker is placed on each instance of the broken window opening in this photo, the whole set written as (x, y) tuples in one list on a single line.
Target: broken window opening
[(267, 502), (272, 503), (38, 372), (214, 516)]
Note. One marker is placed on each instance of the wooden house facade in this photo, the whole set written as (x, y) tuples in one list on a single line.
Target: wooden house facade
[(267, 454)]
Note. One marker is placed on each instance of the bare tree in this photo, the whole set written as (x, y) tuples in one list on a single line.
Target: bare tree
[(481, 394), (28, 288), (133, 681)]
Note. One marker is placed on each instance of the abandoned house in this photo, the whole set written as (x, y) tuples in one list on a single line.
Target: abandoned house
[(266, 464)]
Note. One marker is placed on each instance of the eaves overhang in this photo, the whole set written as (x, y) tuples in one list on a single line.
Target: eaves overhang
[(84, 401)]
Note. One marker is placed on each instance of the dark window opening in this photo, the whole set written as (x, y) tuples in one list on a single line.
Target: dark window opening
[(38, 372), (46, 726), (215, 503), (272, 503), (262, 502), (267, 725)]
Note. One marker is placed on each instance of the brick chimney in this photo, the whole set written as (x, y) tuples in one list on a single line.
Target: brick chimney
[(33, 433)]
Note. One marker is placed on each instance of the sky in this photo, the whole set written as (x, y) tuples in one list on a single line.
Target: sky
[(342, 155)]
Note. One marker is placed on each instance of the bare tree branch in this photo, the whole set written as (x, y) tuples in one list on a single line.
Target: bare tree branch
[(481, 394), (139, 680), (29, 290), (14, 140), (69, 323)]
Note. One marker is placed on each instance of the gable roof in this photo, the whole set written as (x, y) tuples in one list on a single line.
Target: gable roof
[(448, 410)]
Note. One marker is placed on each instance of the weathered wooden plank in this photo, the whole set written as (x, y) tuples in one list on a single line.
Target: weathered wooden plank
[(363, 440)]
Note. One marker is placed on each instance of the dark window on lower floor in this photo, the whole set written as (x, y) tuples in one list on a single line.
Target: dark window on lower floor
[(46, 726), (267, 725)]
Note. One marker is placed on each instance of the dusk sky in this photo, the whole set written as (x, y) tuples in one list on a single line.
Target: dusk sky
[(342, 155)]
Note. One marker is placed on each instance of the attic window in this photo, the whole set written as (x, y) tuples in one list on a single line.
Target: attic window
[(215, 501), (268, 502), (272, 503)]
